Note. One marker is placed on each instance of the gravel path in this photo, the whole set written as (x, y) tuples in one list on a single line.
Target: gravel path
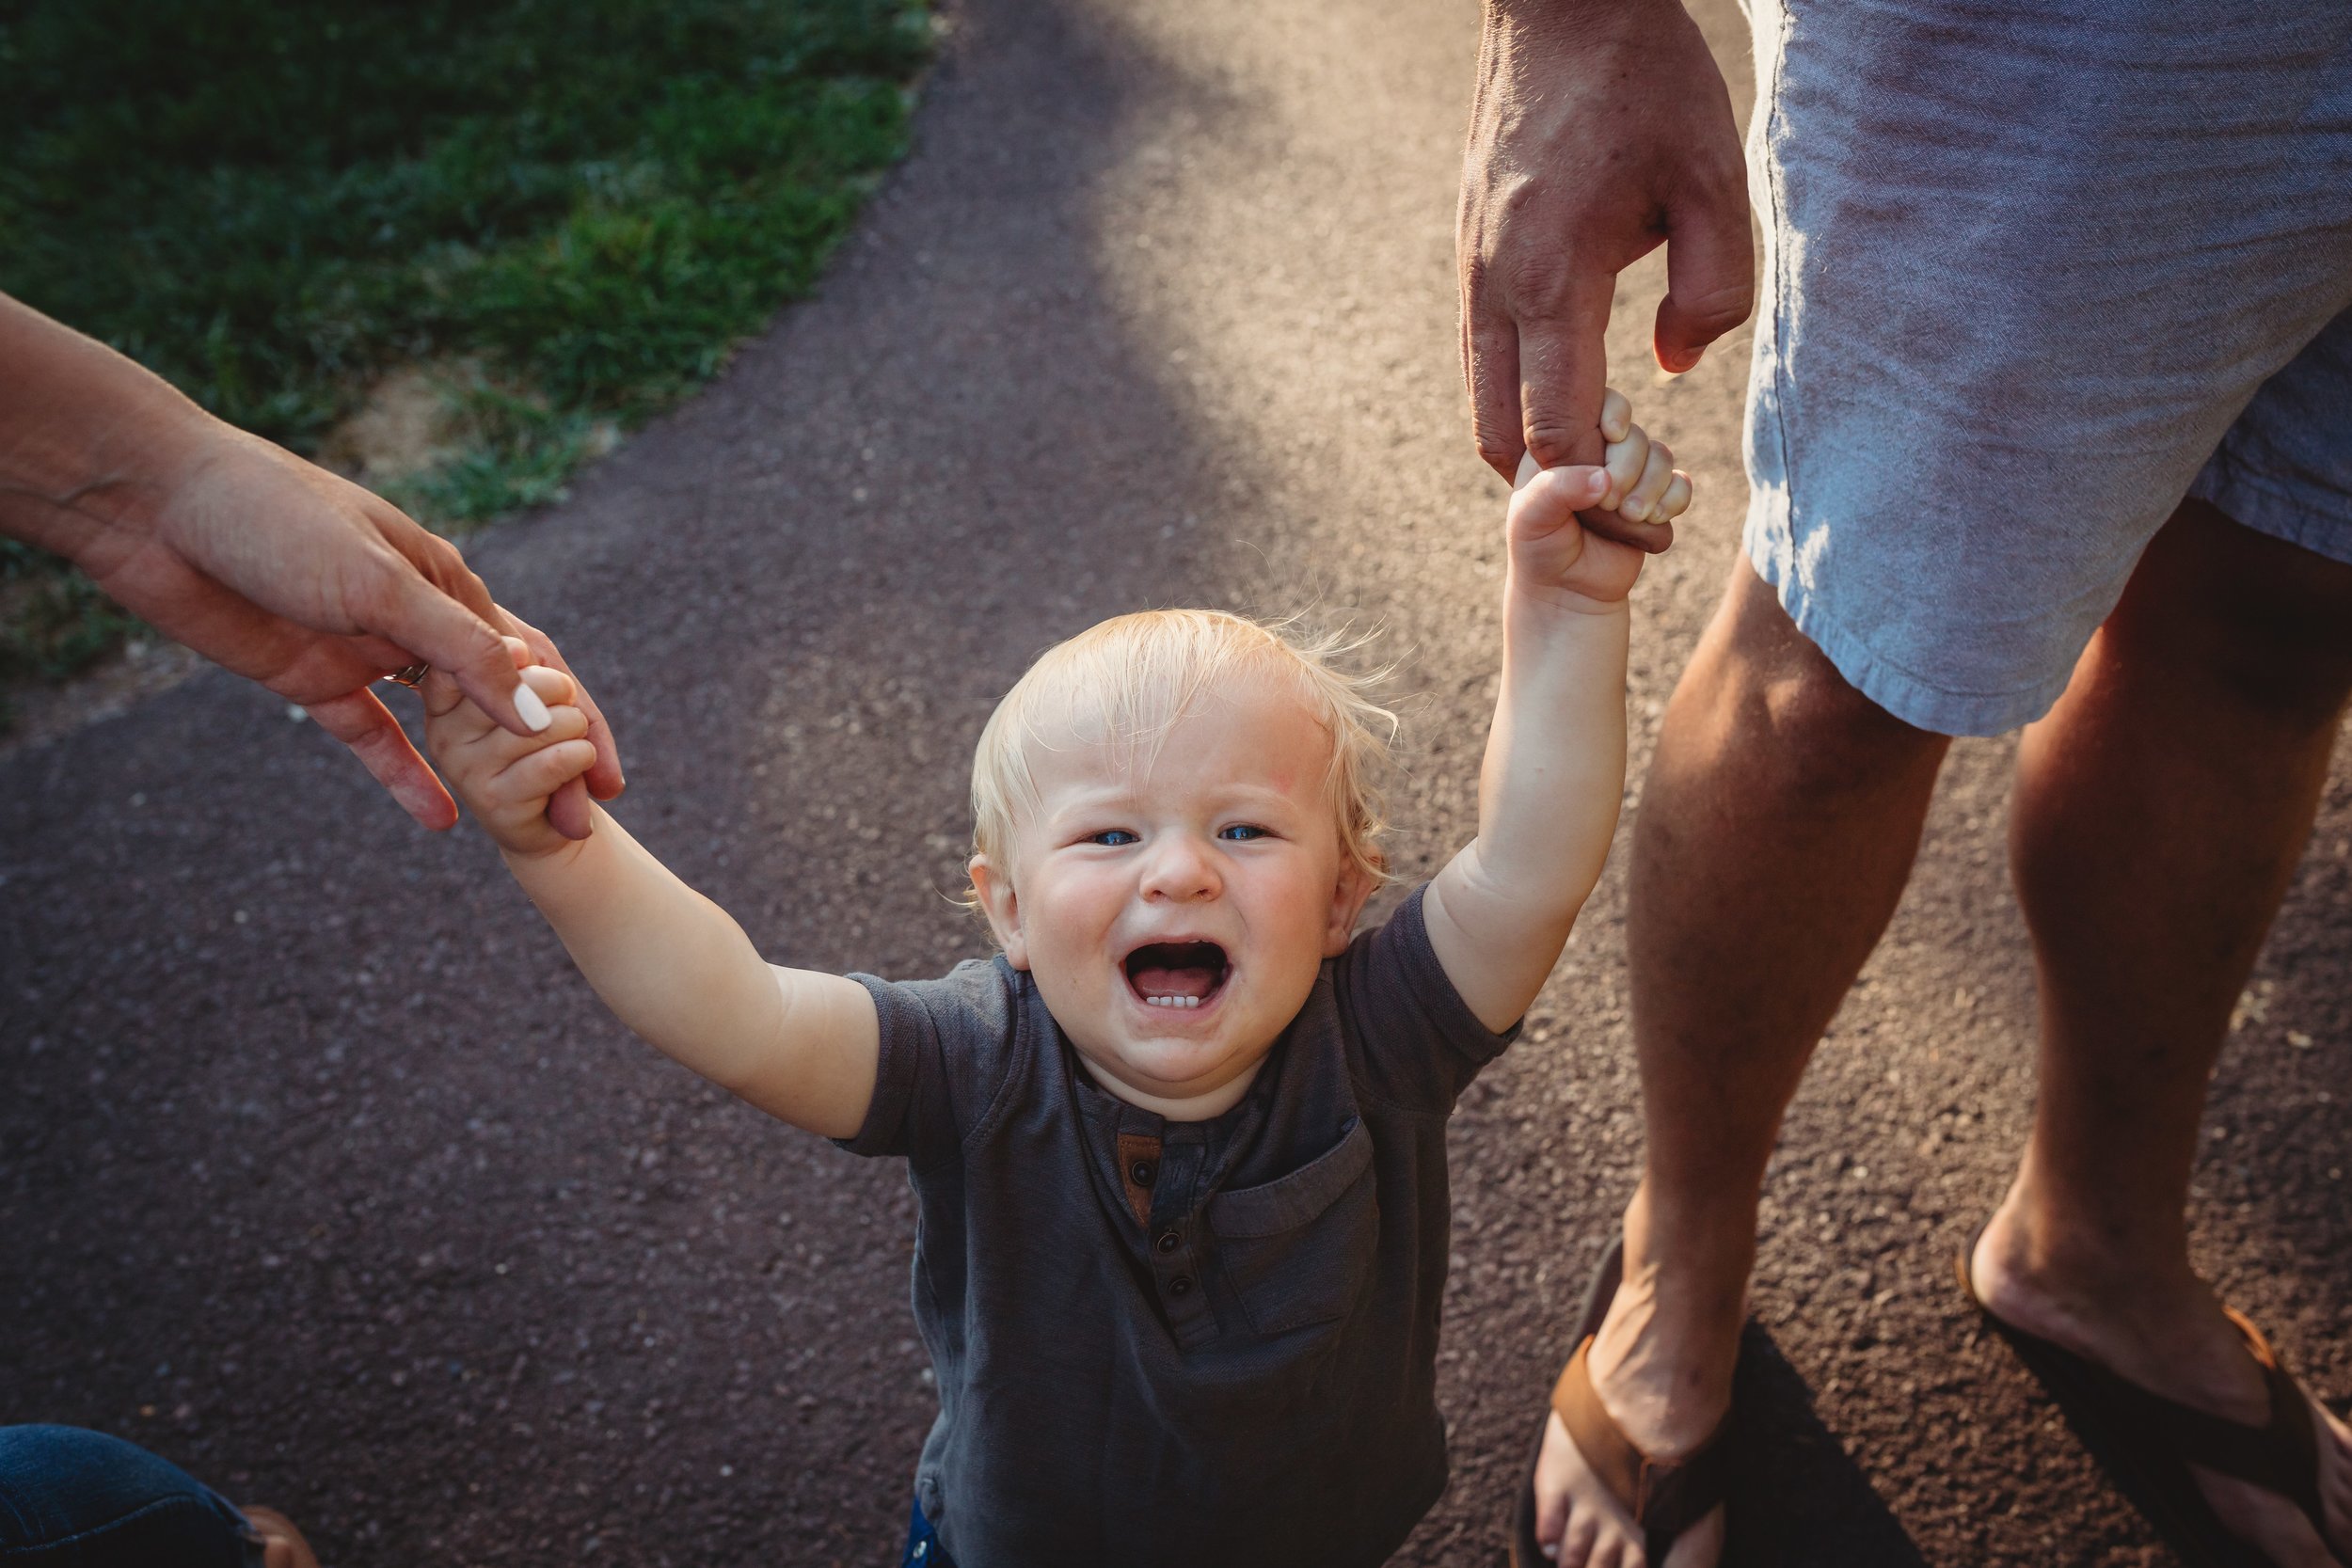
[(322, 1173)]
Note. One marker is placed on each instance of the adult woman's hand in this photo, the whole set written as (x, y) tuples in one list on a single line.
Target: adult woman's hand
[(266, 564), (1600, 129)]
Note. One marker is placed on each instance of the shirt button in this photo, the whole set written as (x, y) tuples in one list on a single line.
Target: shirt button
[(1168, 1241), (1180, 1286), (1142, 1172)]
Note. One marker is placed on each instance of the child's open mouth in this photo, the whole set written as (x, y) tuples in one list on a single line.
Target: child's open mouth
[(1176, 973)]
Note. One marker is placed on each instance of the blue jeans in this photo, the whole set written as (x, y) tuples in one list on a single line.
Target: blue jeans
[(923, 1548), (71, 1498)]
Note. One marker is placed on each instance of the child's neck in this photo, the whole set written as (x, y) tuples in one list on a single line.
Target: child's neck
[(1204, 1106)]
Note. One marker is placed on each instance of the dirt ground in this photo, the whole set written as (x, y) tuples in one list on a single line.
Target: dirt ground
[(322, 1173)]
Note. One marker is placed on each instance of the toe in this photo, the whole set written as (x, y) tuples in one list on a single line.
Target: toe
[(1576, 1545)]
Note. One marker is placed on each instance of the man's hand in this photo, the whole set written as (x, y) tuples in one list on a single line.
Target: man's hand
[(265, 565), (504, 779), (1600, 128), (1558, 555)]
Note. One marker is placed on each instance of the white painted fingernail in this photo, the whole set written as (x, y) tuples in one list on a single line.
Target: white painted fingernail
[(534, 712)]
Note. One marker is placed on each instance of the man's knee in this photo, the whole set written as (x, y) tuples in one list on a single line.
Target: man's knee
[(1760, 697)]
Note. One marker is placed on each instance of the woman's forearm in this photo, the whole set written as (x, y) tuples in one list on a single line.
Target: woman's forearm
[(89, 441)]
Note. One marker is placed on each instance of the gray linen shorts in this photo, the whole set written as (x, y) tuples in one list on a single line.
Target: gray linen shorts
[(2035, 271)]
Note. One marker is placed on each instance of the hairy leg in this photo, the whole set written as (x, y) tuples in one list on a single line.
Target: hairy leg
[(2160, 810), (1777, 832)]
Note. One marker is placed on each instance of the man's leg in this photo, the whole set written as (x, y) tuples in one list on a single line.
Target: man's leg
[(1776, 830), (2160, 811)]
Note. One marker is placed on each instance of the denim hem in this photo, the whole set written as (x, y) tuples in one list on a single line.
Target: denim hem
[(2250, 502), (1913, 700), (31, 1552)]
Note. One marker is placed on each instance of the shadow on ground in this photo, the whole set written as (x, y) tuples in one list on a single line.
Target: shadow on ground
[(1799, 1500)]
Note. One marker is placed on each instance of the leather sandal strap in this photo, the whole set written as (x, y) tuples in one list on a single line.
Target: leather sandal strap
[(2281, 1455), (1664, 1498)]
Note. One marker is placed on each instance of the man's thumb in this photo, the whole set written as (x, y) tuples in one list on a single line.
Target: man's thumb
[(1710, 276)]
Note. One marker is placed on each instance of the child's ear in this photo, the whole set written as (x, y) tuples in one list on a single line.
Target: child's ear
[(1348, 902), (1002, 905)]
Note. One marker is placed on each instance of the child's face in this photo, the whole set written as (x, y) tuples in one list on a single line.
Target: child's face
[(1174, 910)]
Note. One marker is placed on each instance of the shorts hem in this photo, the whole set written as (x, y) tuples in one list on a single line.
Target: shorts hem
[(1895, 690), (2249, 503)]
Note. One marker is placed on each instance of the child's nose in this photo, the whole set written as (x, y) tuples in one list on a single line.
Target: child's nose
[(1180, 869)]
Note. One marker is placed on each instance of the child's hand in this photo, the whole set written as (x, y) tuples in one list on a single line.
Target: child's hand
[(1553, 553), (502, 778)]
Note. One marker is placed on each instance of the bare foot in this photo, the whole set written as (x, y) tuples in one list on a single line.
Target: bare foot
[(1664, 1374), (2170, 1336)]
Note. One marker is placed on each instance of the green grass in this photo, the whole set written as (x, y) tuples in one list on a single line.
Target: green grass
[(583, 205)]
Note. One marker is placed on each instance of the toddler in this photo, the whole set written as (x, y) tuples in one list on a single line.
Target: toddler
[(1179, 1148)]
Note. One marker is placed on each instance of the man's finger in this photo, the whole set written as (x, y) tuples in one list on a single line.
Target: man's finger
[(367, 726), (419, 616), (1491, 364), (1710, 273), (1649, 538), (1563, 369)]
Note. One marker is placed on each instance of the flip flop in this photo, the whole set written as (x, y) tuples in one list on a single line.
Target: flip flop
[(2146, 1442), (1662, 1500)]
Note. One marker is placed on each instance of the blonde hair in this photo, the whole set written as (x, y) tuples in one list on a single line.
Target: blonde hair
[(1127, 681)]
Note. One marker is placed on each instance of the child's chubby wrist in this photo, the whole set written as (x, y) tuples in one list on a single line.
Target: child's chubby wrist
[(553, 856), (1525, 598)]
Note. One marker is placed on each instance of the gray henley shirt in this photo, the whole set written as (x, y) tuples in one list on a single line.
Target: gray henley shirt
[(1161, 1342)]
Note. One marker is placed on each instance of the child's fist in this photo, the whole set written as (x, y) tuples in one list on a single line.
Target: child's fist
[(1555, 551), (502, 778), (1644, 487)]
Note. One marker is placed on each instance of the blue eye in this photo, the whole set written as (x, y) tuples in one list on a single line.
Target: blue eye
[(1242, 832), (1115, 838)]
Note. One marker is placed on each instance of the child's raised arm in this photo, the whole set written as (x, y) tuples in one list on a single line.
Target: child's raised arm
[(1500, 911), (672, 965)]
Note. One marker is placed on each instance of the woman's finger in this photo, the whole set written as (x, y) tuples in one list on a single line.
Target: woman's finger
[(404, 604), (605, 781), (362, 723)]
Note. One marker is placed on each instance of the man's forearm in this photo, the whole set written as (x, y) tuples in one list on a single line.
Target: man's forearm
[(88, 439)]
